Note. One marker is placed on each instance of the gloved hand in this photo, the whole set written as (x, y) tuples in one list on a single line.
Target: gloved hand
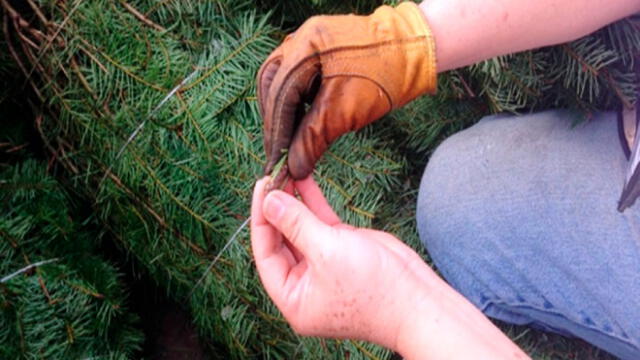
[(351, 69)]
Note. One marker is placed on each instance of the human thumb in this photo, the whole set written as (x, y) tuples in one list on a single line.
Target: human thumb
[(292, 218)]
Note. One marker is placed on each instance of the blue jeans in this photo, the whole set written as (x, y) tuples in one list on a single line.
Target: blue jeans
[(519, 215)]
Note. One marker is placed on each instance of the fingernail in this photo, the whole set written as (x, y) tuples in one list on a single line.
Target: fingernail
[(274, 208)]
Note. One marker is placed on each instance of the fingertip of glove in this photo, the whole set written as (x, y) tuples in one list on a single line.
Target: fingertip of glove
[(268, 168), (299, 167), (268, 69), (266, 74)]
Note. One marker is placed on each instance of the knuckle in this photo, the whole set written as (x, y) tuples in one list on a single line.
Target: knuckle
[(313, 21), (314, 26)]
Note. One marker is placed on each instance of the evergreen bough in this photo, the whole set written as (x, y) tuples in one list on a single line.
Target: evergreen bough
[(170, 177), (72, 306)]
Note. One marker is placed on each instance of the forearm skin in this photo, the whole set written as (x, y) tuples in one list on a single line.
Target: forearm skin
[(442, 324), (467, 31)]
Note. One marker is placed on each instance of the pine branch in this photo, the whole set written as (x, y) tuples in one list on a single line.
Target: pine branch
[(178, 189), (149, 116)]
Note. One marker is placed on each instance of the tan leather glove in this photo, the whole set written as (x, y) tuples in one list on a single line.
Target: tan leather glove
[(351, 69)]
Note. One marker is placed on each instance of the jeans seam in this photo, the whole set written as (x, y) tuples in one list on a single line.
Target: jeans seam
[(547, 311)]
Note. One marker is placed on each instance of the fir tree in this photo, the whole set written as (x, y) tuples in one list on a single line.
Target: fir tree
[(58, 300), (150, 110)]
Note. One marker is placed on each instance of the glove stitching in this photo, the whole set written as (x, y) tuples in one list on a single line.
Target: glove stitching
[(383, 75), (308, 62), (303, 65), (367, 78), (301, 70), (409, 40), (260, 81)]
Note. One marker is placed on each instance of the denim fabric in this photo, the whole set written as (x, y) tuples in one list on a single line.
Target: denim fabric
[(519, 215)]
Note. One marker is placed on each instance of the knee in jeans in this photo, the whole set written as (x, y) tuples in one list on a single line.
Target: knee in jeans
[(439, 204), (455, 197), (460, 181)]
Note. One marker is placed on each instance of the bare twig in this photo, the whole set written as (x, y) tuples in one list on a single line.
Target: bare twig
[(43, 286), (17, 148), (27, 268), (53, 37), (15, 16), (26, 39), (38, 12), (15, 56), (140, 16), (466, 86)]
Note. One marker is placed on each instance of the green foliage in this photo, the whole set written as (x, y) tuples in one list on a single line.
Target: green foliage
[(589, 74), (172, 185), (292, 13), (183, 185), (70, 308)]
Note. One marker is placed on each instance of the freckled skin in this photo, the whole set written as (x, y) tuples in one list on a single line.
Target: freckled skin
[(311, 290), (332, 280)]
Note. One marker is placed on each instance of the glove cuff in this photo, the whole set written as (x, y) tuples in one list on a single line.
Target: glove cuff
[(412, 14)]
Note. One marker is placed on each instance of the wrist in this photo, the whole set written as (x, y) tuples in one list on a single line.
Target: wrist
[(408, 295), (442, 324), (448, 54), (417, 336)]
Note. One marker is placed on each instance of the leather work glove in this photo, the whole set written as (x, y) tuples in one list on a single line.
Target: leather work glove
[(351, 70)]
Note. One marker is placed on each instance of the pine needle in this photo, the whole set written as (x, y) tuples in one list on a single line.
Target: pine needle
[(281, 174), (27, 268), (225, 247), (151, 114), (281, 171)]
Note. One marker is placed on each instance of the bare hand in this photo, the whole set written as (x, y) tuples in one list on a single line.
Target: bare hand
[(327, 278)]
